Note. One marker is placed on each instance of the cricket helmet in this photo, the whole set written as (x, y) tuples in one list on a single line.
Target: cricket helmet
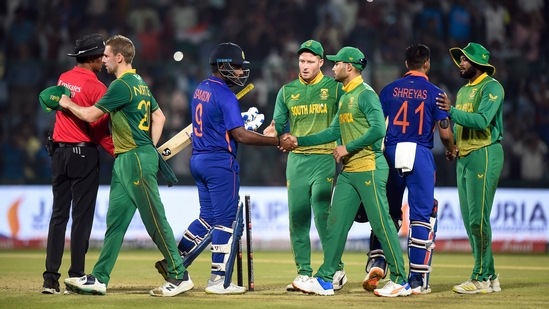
[(226, 58)]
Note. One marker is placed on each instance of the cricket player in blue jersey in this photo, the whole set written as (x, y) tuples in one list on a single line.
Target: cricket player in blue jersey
[(217, 129), (409, 105)]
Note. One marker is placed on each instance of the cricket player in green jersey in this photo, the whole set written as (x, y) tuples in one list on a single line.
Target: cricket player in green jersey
[(137, 123), (309, 104), (478, 131), (361, 126)]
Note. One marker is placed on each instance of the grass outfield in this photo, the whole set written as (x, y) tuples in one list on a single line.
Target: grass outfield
[(524, 281)]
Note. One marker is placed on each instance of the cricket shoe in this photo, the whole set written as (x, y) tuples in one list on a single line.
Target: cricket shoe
[(420, 290), (340, 278), (50, 286), (372, 278), (473, 287), (290, 287), (495, 284), (215, 286), (315, 285), (173, 287), (391, 289), (162, 267), (87, 285)]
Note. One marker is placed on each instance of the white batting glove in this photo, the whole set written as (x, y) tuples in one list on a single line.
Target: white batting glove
[(249, 115), (256, 123)]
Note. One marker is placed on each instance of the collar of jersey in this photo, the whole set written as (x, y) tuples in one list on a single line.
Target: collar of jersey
[(416, 73), (131, 71), (355, 82), (478, 80), (315, 80)]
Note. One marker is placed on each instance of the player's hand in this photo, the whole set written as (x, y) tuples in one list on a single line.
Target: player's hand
[(451, 155), (288, 142), (270, 130), (443, 102), (340, 152), (65, 101)]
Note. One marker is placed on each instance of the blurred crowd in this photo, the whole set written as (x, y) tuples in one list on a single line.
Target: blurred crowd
[(36, 35)]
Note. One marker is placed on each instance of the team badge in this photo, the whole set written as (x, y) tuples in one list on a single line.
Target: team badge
[(473, 93), (324, 94)]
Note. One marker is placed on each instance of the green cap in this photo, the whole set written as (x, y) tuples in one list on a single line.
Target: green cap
[(350, 55), (49, 97), (476, 53), (312, 46)]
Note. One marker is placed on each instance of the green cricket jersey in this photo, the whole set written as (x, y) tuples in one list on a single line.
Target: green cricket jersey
[(130, 120), (309, 107), (360, 124), (478, 115)]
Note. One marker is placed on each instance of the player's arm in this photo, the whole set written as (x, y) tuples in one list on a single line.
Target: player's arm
[(330, 134), (86, 113), (281, 113), (158, 119), (446, 135), (492, 98), (241, 135), (369, 104)]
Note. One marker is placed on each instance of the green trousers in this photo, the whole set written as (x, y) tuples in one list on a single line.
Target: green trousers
[(309, 181), (134, 187), (477, 179), (370, 189)]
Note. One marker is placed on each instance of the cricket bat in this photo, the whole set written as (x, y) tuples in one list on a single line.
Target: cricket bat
[(183, 139)]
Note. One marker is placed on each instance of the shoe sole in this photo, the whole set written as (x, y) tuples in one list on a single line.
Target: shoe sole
[(483, 291), (189, 287), (311, 292), (82, 291), (392, 295), (376, 274), (50, 291), (291, 288)]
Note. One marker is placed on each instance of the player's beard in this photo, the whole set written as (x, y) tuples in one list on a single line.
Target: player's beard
[(469, 73)]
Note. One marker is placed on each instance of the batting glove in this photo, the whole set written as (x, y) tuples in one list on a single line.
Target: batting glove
[(256, 123)]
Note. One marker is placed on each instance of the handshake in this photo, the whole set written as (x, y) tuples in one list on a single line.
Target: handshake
[(252, 119), (287, 142)]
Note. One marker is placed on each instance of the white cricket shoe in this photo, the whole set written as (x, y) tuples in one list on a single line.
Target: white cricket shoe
[(315, 285), (419, 290), (88, 285), (171, 289), (391, 289), (340, 278), (495, 284), (473, 287), (290, 287), (215, 286), (372, 278)]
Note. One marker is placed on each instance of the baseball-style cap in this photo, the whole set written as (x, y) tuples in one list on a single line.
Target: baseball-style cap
[(350, 55), (312, 46), (49, 97), (476, 53), (89, 45)]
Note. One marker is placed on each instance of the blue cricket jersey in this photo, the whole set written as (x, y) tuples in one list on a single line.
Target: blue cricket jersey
[(410, 104), (215, 111)]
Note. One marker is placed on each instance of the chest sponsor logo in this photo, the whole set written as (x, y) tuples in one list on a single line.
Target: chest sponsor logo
[(295, 96)]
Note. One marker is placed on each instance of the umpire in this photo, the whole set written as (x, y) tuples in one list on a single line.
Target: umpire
[(75, 163)]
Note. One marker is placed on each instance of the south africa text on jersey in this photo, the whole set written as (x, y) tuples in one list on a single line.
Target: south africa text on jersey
[(309, 109)]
